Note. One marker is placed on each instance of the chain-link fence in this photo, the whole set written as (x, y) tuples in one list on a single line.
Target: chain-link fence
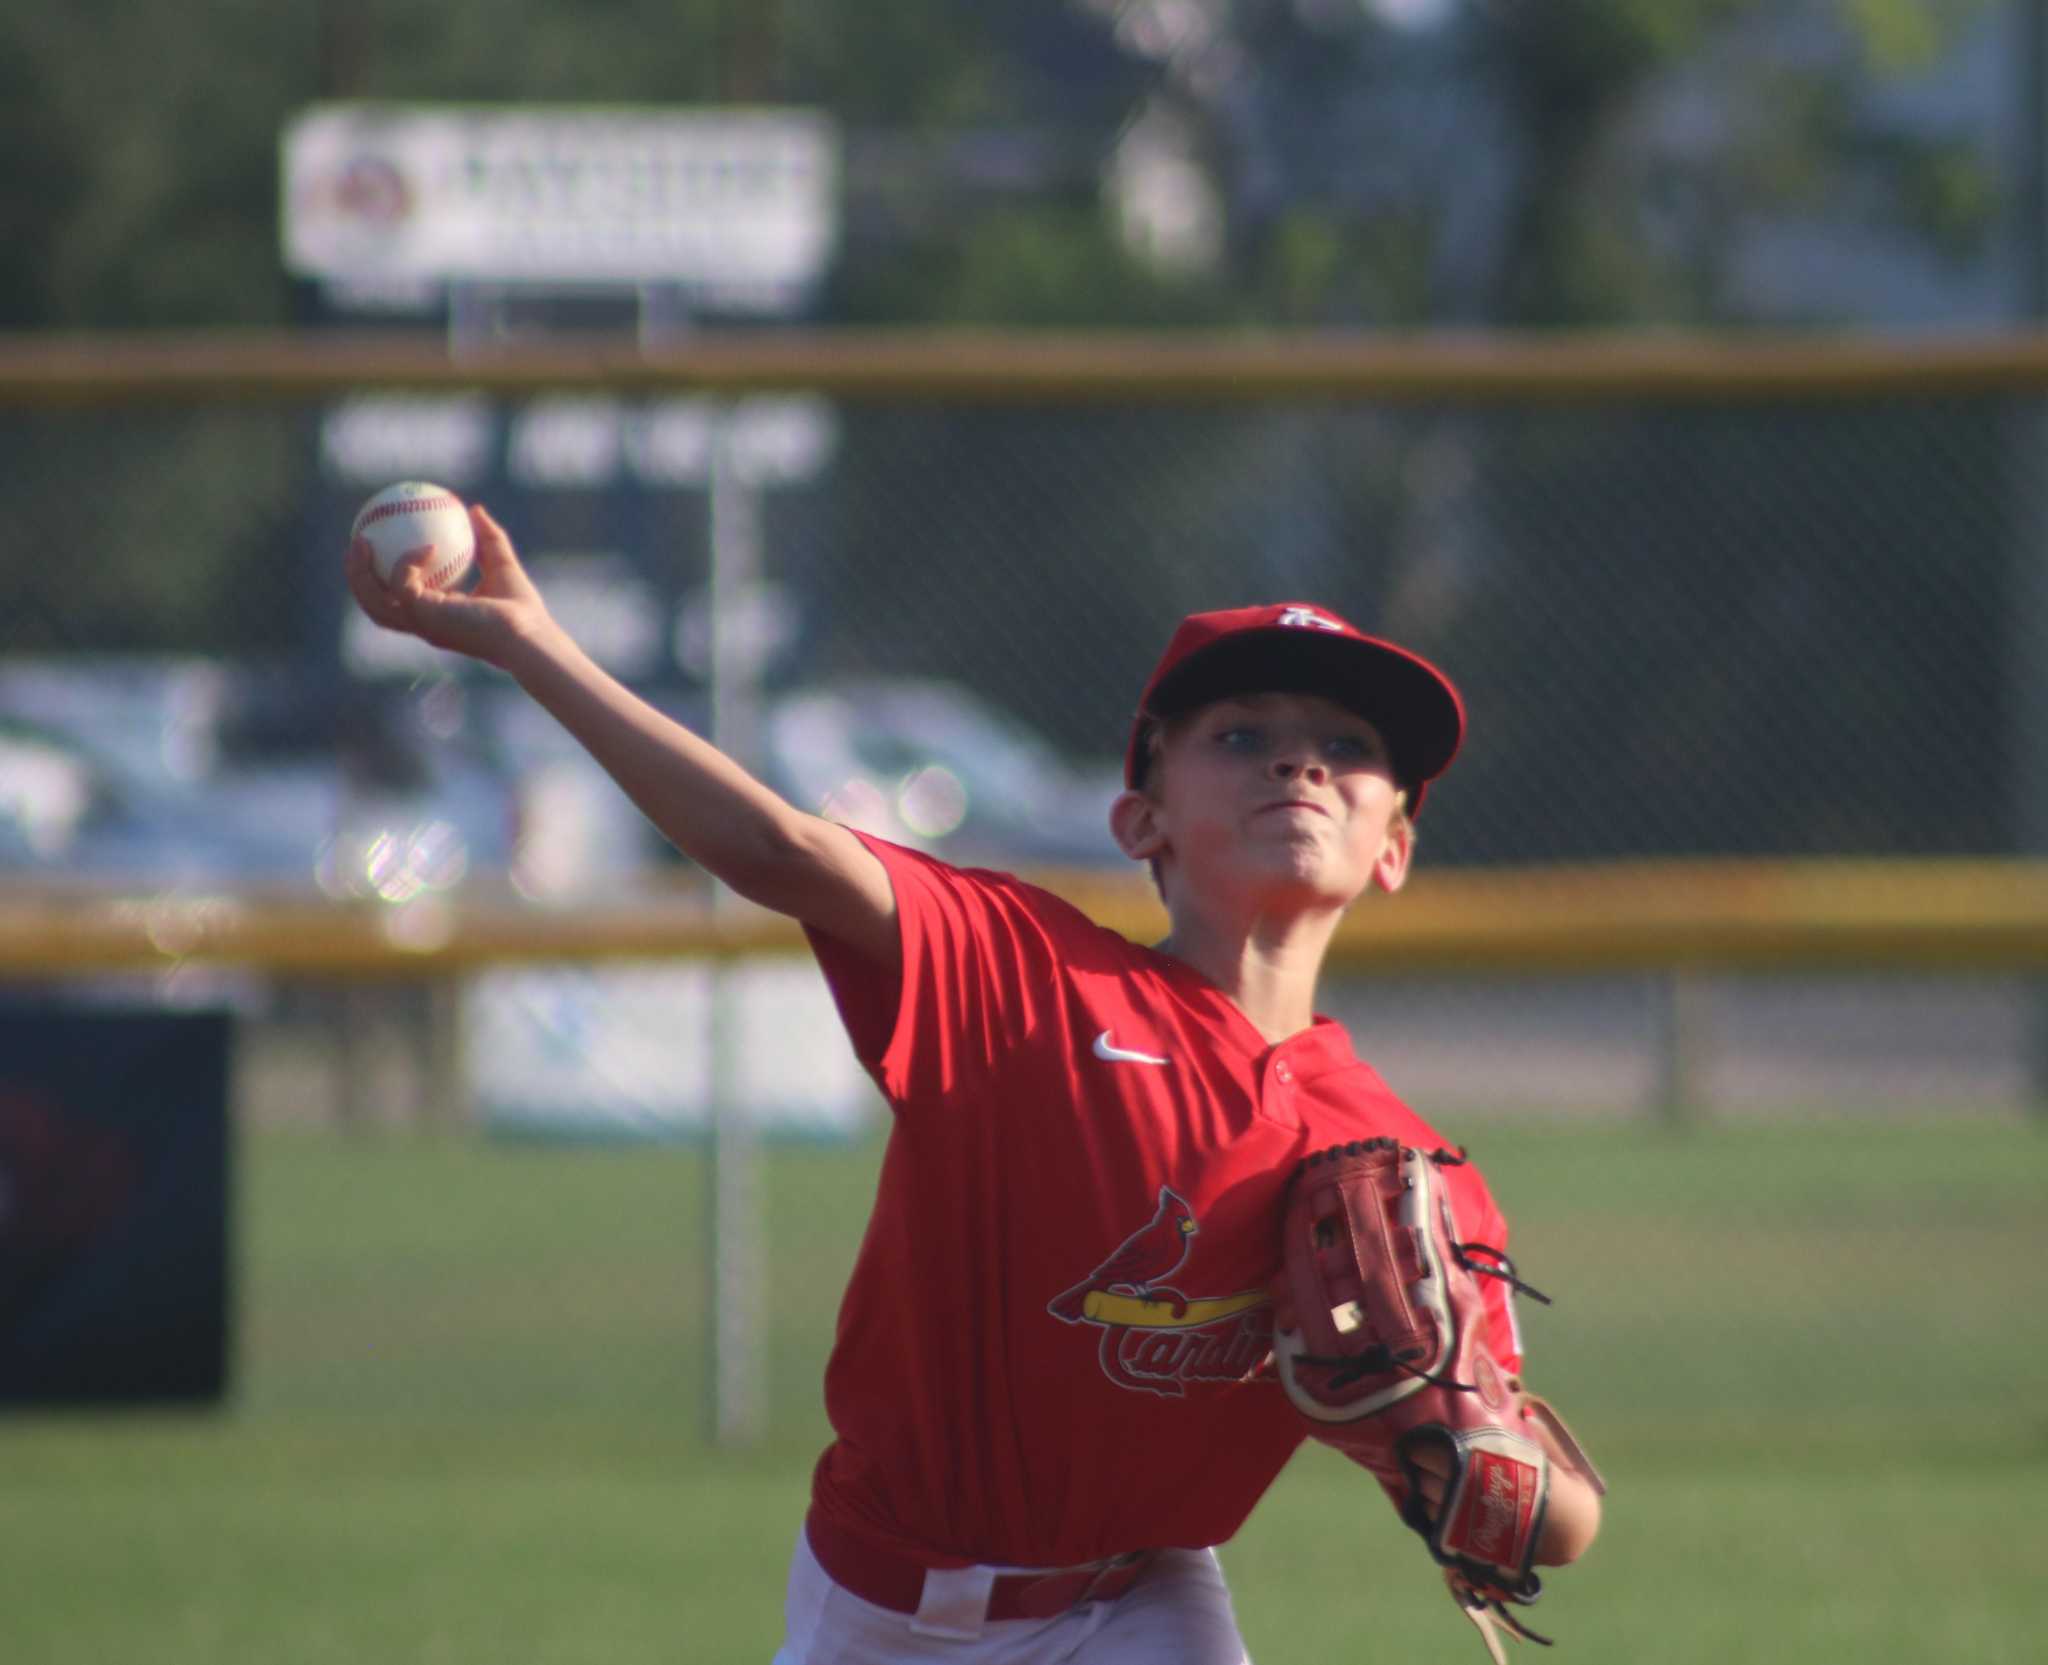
[(1682, 629), (1686, 626), (1733, 625)]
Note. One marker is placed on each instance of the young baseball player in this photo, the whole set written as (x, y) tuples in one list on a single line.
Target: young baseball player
[(1051, 1391)]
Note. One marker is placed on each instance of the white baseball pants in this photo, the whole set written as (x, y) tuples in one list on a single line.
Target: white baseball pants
[(1180, 1614)]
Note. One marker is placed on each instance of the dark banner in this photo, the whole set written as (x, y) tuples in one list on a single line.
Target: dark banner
[(113, 1206)]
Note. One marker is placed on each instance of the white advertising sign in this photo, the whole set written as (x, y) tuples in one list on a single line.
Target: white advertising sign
[(624, 1051), (743, 203)]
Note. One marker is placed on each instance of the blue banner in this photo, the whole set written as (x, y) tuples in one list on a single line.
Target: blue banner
[(114, 1193)]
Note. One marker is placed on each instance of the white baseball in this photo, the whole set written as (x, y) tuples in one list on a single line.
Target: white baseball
[(414, 516)]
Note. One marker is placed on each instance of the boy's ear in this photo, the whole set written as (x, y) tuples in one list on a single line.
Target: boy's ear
[(1390, 870), (1134, 824)]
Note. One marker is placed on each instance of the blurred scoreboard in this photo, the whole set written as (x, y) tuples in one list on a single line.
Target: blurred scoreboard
[(497, 224), (608, 498), (389, 205)]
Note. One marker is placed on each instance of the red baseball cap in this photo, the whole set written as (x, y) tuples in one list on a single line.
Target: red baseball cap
[(1292, 647)]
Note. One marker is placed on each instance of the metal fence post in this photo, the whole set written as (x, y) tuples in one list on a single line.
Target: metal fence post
[(738, 1272), (1680, 1034)]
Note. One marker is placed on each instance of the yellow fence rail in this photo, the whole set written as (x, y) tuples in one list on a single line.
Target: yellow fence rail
[(1734, 916), (142, 368)]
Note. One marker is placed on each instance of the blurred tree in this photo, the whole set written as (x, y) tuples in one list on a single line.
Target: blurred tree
[(1373, 162), (1407, 162), (141, 161), (1366, 163), (42, 178)]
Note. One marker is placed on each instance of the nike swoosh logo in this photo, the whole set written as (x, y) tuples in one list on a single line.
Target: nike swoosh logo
[(1117, 1055)]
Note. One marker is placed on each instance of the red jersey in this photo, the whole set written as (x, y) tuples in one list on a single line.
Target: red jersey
[(1055, 1345)]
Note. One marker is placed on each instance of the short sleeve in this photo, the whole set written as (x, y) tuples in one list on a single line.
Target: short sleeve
[(978, 966)]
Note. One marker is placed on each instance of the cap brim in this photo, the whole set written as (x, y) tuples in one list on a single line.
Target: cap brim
[(1406, 699)]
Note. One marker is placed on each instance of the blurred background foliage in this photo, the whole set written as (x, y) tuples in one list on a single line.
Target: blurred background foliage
[(1801, 592), (1376, 163)]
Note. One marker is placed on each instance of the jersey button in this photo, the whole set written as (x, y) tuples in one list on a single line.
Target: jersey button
[(1282, 1073)]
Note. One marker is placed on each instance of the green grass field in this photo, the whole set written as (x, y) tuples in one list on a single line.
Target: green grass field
[(469, 1421)]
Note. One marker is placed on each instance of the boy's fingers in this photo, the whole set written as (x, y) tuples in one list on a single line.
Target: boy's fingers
[(355, 560), (372, 594), (410, 567), (493, 544), (1431, 1459), (407, 602), (1434, 1471), (425, 606)]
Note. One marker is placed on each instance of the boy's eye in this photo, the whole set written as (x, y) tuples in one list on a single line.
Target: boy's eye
[(1241, 738), (1352, 748)]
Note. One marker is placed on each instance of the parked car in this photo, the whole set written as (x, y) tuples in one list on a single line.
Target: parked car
[(388, 791), (186, 771), (925, 763), (70, 809), (930, 764), (183, 772)]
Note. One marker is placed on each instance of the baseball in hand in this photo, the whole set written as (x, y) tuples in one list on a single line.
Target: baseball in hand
[(414, 516)]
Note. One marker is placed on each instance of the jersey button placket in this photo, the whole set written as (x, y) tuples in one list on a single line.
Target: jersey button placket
[(1276, 1092)]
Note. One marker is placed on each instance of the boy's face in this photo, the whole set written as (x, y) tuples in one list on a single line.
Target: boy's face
[(1290, 795)]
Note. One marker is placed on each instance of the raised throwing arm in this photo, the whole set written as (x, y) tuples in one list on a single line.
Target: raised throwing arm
[(703, 802)]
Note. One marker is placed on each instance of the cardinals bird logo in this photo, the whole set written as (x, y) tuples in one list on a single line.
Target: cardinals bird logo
[(1154, 1338), (1152, 1252)]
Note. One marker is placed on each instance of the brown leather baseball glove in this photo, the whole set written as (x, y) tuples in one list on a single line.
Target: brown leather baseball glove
[(1385, 1354)]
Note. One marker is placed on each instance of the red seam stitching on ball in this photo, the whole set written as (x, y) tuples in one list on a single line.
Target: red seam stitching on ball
[(411, 505)]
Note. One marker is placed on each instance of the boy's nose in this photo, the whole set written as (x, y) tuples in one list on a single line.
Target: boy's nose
[(1286, 768)]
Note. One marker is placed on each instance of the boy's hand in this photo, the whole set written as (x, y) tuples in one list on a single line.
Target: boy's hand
[(488, 623)]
